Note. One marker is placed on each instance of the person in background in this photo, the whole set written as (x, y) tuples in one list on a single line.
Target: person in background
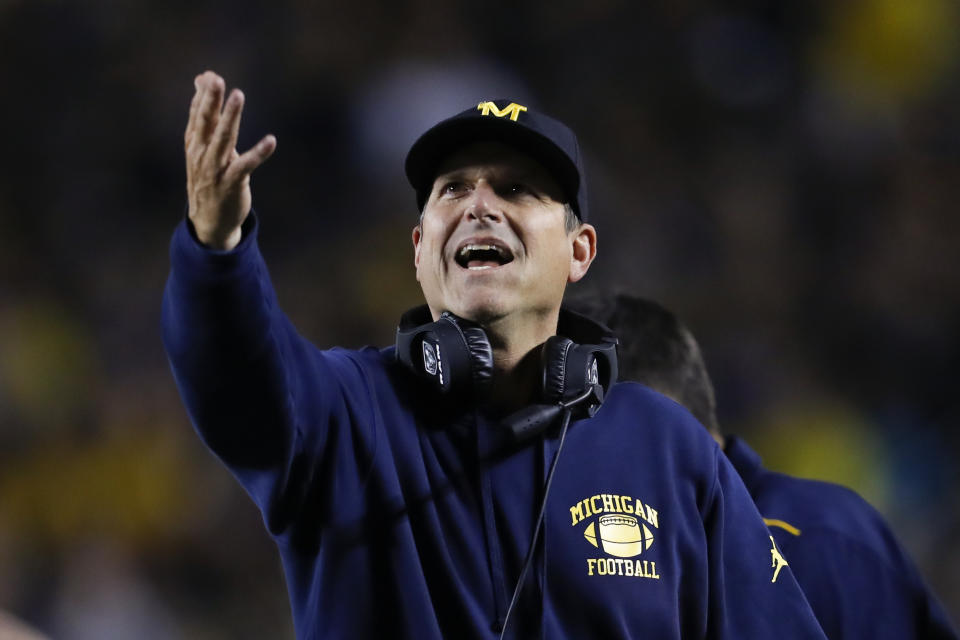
[(856, 575)]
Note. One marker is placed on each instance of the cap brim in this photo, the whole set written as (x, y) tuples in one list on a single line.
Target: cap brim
[(439, 142)]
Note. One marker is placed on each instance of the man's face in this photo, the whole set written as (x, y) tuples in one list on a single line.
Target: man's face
[(492, 240)]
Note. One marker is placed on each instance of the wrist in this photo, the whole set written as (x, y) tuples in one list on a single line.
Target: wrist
[(218, 239)]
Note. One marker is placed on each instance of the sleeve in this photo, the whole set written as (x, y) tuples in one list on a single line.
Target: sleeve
[(287, 419), (752, 590)]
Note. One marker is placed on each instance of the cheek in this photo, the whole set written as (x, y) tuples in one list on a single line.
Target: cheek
[(433, 230), (561, 262), (553, 248), (431, 249)]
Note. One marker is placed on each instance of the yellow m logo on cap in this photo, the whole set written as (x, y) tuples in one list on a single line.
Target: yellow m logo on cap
[(513, 110)]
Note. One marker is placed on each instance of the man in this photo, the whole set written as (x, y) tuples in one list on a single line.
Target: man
[(418, 492), (858, 579)]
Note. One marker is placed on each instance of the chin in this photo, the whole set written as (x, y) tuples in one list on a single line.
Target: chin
[(480, 308)]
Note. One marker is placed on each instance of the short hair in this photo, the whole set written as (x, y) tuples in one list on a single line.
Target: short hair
[(655, 349), (571, 221)]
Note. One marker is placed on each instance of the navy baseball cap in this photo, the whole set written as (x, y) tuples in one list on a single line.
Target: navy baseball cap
[(549, 141)]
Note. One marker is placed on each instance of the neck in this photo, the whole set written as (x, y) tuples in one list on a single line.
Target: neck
[(516, 359)]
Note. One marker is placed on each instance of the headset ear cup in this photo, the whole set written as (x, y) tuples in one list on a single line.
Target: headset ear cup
[(554, 364), (481, 357)]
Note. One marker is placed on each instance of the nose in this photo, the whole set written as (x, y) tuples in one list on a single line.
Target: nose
[(483, 204)]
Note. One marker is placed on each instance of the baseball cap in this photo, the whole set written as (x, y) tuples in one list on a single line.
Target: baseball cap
[(545, 139)]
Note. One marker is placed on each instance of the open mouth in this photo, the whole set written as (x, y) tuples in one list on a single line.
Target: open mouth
[(483, 256)]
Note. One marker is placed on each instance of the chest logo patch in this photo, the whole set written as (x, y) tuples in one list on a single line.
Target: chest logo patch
[(622, 527), (620, 535)]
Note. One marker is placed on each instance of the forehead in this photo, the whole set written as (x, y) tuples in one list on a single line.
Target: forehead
[(493, 156)]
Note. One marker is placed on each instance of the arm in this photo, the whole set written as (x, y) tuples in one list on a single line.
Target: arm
[(230, 349), (753, 593), (218, 303), (261, 397)]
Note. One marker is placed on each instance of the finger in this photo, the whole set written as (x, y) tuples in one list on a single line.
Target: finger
[(194, 105), (209, 111), (224, 138), (244, 164)]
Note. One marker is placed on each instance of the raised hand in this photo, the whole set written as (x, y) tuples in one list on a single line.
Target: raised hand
[(218, 178)]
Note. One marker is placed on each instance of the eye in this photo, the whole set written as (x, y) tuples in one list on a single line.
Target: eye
[(452, 188), (518, 188)]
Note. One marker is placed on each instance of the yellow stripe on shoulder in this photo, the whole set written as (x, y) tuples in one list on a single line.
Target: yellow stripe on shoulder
[(786, 526)]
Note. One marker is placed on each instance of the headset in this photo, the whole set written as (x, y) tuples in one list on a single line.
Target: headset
[(455, 355)]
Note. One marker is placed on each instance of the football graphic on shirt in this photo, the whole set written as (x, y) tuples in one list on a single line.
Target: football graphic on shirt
[(620, 535)]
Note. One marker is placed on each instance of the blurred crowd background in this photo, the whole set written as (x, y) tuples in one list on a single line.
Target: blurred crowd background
[(783, 174)]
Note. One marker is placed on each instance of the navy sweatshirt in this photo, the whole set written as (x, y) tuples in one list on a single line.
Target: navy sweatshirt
[(400, 515), (858, 579)]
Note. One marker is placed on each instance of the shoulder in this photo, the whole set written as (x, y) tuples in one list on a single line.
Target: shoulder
[(359, 373), (365, 357), (374, 375), (640, 406), (368, 359), (825, 510), (634, 413), (638, 398)]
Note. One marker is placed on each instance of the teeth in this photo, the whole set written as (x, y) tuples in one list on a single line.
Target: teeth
[(481, 247)]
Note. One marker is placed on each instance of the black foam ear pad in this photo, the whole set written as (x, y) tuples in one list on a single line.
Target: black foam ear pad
[(444, 352), (554, 364), (481, 356)]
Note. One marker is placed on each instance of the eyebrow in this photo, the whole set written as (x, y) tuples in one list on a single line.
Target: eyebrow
[(450, 175), (523, 175)]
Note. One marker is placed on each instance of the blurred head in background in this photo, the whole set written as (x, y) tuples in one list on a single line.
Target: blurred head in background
[(657, 350)]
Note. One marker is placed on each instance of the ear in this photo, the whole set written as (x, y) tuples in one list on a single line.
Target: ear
[(584, 251), (416, 237)]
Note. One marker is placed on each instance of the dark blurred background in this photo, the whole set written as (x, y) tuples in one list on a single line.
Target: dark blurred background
[(782, 173)]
